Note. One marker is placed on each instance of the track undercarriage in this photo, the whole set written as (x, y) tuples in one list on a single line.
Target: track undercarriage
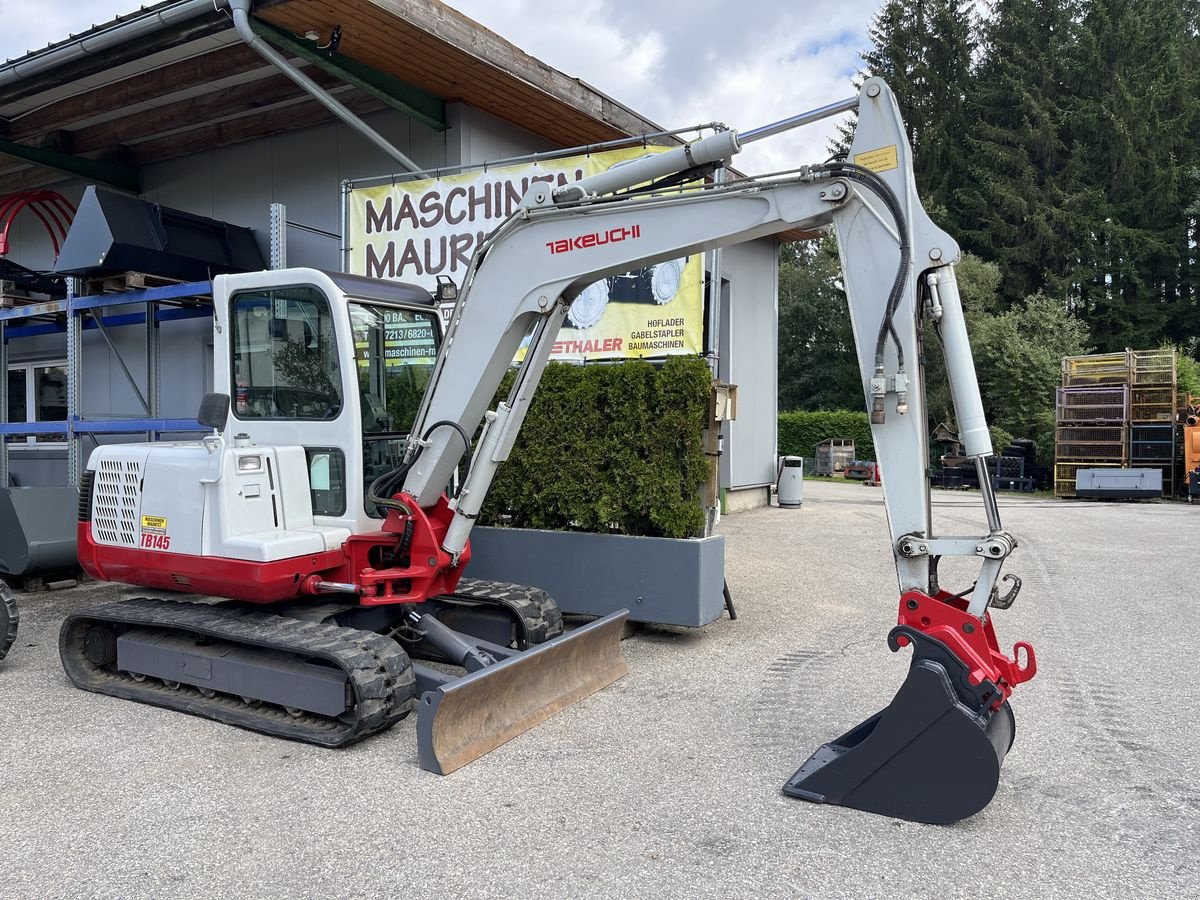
[(336, 672), (8, 619)]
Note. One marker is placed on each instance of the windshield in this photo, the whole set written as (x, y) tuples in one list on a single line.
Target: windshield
[(394, 351)]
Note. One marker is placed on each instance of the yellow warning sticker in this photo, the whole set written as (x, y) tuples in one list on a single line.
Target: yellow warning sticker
[(878, 160), (154, 523)]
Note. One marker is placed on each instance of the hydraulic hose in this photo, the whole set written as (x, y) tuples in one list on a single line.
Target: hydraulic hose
[(382, 488), (883, 190)]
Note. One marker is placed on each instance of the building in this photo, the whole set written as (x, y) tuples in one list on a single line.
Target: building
[(171, 104)]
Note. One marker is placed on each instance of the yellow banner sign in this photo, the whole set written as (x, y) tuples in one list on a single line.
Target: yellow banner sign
[(416, 230)]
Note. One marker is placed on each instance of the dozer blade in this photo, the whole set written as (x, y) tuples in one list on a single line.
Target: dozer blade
[(461, 721), (933, 755)]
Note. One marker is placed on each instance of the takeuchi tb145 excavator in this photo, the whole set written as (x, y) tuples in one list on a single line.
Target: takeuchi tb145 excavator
[(328, 527)]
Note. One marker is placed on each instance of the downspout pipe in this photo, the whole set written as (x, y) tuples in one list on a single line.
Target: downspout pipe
[(241, 22)]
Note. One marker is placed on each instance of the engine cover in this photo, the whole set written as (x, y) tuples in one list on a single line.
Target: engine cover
[(207, 499)]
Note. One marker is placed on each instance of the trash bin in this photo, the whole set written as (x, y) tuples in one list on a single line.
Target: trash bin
[(789, 485)]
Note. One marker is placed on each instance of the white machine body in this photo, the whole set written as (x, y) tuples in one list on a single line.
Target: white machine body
[(208, 499)]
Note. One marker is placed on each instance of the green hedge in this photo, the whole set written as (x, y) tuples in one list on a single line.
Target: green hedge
[(800, 432), (609, 448)]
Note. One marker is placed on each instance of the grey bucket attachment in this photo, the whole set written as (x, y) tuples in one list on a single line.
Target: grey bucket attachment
[(461, 720), (114, 232), (8, 619), (37, 529), (933, 755)]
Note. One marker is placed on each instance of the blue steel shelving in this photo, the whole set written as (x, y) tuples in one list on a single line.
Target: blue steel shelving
[(75, 315)]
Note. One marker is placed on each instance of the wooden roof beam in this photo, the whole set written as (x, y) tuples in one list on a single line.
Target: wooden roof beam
[(168, 79), (292, 117), (220, 104)]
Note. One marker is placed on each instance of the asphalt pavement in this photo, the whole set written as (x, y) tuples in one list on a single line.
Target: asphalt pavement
[(667, 784)]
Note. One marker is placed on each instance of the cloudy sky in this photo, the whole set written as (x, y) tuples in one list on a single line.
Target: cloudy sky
[(745, 64)]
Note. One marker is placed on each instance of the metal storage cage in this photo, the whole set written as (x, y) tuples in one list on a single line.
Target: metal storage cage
[(1153, 366), (1083, 443), (1100, 368), (833, 455), (1151, 443), (1092, 404), (1152, 404)]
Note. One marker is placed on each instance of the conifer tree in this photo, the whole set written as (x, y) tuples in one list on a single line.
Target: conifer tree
[(1012, 200), (1133, 127)]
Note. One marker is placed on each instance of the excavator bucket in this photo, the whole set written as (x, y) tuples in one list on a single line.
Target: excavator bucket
[(463, 719), (933, 755)]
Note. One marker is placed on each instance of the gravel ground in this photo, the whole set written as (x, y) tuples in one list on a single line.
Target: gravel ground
[(666, 784)]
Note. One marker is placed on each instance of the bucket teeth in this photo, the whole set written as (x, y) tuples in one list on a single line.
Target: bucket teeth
[(462, 720)]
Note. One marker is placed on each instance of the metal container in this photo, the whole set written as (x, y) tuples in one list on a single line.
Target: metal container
[(1152, 404), (1091, 443), (1099, 368), (1119, 484), (1153, 366), (1151, 443), (1092, 405), (37, 529), (833, 455), (790, 482)]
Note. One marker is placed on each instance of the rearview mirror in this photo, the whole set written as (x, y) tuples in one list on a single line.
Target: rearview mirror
[(214, 411)]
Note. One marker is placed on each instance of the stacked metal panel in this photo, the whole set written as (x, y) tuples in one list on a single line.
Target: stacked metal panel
[(1115, 410)]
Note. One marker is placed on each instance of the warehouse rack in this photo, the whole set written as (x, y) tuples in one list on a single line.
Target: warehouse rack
[(76, 314)]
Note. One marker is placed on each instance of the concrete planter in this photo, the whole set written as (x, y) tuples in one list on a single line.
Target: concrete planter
[(667, 581)]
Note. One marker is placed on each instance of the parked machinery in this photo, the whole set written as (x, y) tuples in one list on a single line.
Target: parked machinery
[(333, 600)]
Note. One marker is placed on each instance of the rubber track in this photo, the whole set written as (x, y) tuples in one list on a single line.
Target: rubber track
[(537, 610), (9, 617), (379, 671)]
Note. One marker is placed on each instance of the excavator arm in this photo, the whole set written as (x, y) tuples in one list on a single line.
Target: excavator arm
[(898, 271)]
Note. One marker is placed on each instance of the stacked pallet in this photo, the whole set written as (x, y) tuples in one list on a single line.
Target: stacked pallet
[(1116, 410)]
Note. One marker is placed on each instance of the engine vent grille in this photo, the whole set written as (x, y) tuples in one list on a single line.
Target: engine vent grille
[(117, 495)]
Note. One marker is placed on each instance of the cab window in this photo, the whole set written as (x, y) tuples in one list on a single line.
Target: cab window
[(285, 361), (395, 350)]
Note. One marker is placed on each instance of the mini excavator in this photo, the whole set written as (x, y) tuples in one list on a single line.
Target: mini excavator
[(341, 555)]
